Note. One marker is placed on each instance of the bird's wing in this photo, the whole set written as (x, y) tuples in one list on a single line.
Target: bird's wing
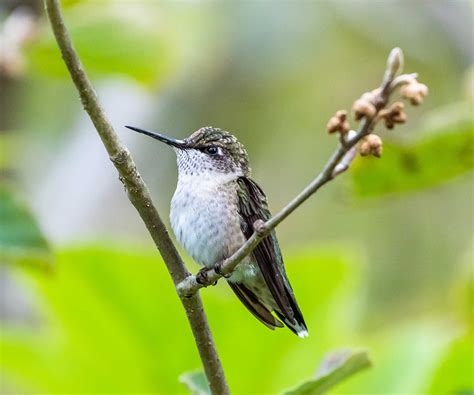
[(252, 206), (248, 298)]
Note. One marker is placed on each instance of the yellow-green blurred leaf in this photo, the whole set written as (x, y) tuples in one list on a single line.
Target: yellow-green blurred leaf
[(335, 368), (113, 315), (405, 356), (196, 383), (454, 374), (21, 240), (435, 159), (69, 3), (111, 39)]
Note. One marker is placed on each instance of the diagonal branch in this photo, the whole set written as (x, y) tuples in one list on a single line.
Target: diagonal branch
[(337, 164), (140, 197)]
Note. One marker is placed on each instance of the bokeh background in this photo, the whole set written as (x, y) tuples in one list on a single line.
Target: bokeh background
[(381, 259)]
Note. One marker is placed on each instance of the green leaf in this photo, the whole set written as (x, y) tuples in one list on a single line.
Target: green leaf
[(21, 240), (406, 353), (453, 375), (111, 39), (335, 368), (196, 383), (113, 315), (437, 158)]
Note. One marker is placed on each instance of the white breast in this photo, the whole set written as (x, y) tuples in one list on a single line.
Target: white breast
[(204, 217)]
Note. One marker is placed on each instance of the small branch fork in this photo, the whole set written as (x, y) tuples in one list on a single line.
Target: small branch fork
[(369, 110)]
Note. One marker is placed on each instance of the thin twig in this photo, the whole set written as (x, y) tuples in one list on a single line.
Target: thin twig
[(140, 197), (337, 164)]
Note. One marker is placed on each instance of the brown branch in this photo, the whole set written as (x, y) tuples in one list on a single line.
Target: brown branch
[(337, 164), (140, 197)]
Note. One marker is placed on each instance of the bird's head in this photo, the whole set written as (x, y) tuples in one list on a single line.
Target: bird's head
[(208, 150)]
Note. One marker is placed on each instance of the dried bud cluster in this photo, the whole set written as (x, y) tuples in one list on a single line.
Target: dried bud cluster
[(414, 91), (338, 123), (373, 107), (371, 145), (393, 115)]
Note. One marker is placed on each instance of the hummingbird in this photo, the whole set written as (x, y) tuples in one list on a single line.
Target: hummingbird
[(212, 214)]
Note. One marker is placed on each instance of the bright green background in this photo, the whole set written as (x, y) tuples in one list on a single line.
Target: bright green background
[(380, 259)]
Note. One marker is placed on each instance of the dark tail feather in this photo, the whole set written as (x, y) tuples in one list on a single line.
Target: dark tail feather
[(252, 303), (297, 325)]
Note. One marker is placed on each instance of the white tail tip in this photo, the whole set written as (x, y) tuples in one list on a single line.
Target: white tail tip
[(302, 333)]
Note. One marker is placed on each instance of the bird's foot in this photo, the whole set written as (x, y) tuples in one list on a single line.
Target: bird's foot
[(218, 270), (201, 276)]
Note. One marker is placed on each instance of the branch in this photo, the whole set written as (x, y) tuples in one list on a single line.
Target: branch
[(369, 109), (140, 197)]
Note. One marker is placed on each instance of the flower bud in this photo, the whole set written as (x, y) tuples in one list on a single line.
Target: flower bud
[(397, 107), (371, 145), (333, 125), (364, 148), (375, 143), (415, 92), (338, 123), (399, 118), (363, 108), (393, 115), (395, 61)]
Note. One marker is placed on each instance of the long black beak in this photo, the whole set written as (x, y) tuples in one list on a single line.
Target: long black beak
[(161, 137)]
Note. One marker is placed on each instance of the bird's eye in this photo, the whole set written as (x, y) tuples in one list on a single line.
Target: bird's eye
[(211, 150)]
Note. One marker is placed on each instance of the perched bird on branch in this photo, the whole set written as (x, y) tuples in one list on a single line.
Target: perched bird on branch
[(213, 212)]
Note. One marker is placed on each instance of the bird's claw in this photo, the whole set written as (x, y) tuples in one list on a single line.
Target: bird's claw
[(218, 270), (201, 276)]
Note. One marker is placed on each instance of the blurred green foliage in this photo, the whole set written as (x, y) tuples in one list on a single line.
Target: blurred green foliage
[(440, 156), (121, 45), (335, 368), (109, 318), (387, 274), (108, 313), (453, 375), (21, 240)]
